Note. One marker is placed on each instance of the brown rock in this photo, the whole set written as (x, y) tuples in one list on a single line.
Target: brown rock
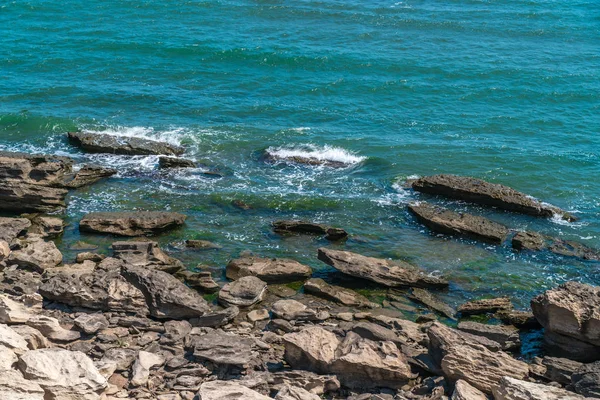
[(425, 297), (271, 270), (507, 336), (103, 143), (347, 297), (485, 306), (295, 226), (131, 223)]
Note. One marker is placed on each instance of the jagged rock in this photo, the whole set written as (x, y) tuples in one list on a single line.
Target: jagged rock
[(516, 389), (13, 386), (50, 328), (244, 292), (141, 368), (557, 345), (224, 349), (464, 391), (89, 256), (309, 381), (4, 250), (24, 197), (485, 306), (347, 297), (507, 336), (258, 315), (11, 228), (36, 254), (572, 309), (145, 254), (560, 369), (7, 358), (201, 245), (295, 226), (87, 175), (46, 227), (12, 340), (216, 318), (528, 241), (485, 193), (442, 220), (166, 296), (122, 358), (271, 270), (228, 390), (461, 357), (173, 162), (91, 323), (175, 331), (519, 319), (63, 374), (34, 338), (140, 223), (586, 380), (103, 143), (13, 312), (202, 281), (295, 393), (385, 272), (375, 332), (291, 310), (423, 296), (537, 241), (312, 349)]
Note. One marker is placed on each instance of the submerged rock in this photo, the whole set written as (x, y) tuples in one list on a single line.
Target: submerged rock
[(486, 193), (271, 270), (295, 226), (442, 220), (103, 143), (201, 245), (173, 162), (385, 272), (347, 297), (273, 157), (140, 223), (536, 241), (423, 296)]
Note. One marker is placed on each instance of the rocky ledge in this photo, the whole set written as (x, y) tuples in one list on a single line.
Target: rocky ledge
[(104, 143), (141, 223)]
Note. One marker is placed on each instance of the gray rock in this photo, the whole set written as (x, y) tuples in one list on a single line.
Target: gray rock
[(122, 358), (507, 336), (347, 297), (201, 245), (175, 332), (560, 369), (378, 333), (294, 226), (244, 292), (586, 380), (528, 241), (18, 282), (515, 389), (25, 197), (46, 227), (144, 254), (312, 349), (216, 318), (309, 381), (291, 310), (141, 368), (91, 323), (174, 162), (36, 254), (11, 228), (87, 175), (535, 241), (484, 306), (228, 390), (50, 328), (202, 281), (464, 391), (295, 393), (557, 345), (224, 349), (103, 143), (425, 297), (140, 223), (442, 220), (271, 270), (385, 272)]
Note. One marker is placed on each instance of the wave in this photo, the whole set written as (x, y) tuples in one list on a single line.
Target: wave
[(324, 154), (175, 136)]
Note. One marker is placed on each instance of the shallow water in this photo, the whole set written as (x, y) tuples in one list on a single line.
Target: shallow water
[(505, 92)]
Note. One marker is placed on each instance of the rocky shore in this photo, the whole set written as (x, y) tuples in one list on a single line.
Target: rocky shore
[(138, 323)]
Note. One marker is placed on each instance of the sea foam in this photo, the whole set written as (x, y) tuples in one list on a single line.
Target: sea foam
[(310, 151)]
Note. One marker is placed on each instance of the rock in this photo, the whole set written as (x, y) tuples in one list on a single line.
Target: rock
[(173, 162), (309, 228), (88, 256), (485, 193), (122, 358), (347, 297), (46, 227), (271, 270), (50, 328), (91, 323), (586, 380), (528, 241), (295, 393), (464, 391), (12, 340), (201, 245), (140, 223), (144, 254), (24, 197), (572, 309), (63, 374), (461, 357), (442, 220), (175, 332), (4, 250), (13, 312), (560, 369), (141, 368), (166, 296), (7, 359), (507, 336), (311, 349), (423, 296), (216, 318), (309, 381), (485, 306), (244, 292), (36, 254), (291, 310), (275, 156), (258, 315), (516, 389), (385, 272), (13, 386), (202, 281), (519, 319), (557, 345), (223, 349), (377, 333), (12, 228), (87, 175), (228, 390), (535, 241), (103, 143), (34, 338)]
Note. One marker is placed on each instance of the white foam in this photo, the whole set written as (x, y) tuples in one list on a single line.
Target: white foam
[(324, 153), (172, 136)]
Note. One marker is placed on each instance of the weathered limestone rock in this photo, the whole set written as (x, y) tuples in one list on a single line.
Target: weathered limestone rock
[(201, 245), (559, 369), (87, 175), (11, 228), (377, 333), (464, 391), (461, 357), (528, 241), (202, 280), (50, 328), (7, 358), (244, 292), (347, 297), (295, 393), (309, 381), (385, 272), (557, 345), (270, 270), (535, 241), (485, 306), (141, 223), (586, 380), (36, 254), (291, 310), (175, 332), (228, 390), (516, 389), (34, 338), (312, 349), (89, 256), (507, 336), (165, 295), (12, 340), (258, 315), (122, 358), (442, 220), (425, 297), (103, 143), (4, 250), (25, 197), (216, 318), (485, 193), (295, 226), (46, 227), (91, 323), (13, 312), (174, 162), (13, 386), (224, 349), (141, 368), (63, 374), (144, 254)]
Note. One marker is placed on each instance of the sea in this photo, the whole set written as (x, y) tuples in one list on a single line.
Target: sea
[(504, 91)]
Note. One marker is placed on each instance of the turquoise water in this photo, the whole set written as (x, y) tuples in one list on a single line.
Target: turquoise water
[(508, 92)]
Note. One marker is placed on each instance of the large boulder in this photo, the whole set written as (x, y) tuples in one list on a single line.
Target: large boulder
[(485, 193), (165, 295), (347, 297), (140, 223), (103, 143), (228, 390), (442, 220), (13, 386), (516, 389), (26, 197), (270, 270), (312, 349), (295, 226), (244, 292), (385, 272)]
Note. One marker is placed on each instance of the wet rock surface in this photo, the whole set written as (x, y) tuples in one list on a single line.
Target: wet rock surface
[(173, 162), (103, 143), (311, 228), (270, 270), (142, 223)]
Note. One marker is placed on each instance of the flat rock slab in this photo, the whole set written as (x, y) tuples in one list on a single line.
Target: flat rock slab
[(26, 197), (228, 390), (485, 193), (507, 336), (347, 297), (222, 348), (311, 228), (141, 223), (442, 220), (173, 162), (516, 389), (270, 270), (535, 241), (103, 143), (244, 292), (484, 306), (385, 272), (424, 297)]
